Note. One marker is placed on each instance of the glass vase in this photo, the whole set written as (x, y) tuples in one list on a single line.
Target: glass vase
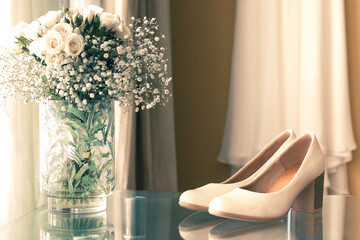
[(77, 155)]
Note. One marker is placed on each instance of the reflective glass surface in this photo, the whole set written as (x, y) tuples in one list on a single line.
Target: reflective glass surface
[(156, 215)]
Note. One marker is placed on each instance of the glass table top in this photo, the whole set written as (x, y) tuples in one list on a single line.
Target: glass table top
[(157, 215)]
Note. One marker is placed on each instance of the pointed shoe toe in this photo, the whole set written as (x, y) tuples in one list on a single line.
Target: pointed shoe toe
[(194, 199), (295, 179), (199, 198)]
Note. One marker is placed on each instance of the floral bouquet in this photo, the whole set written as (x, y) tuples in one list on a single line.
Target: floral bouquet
[(88, 54), (77, 63)]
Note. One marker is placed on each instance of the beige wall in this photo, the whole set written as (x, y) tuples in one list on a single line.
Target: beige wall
[(202, 33), (352, 11)]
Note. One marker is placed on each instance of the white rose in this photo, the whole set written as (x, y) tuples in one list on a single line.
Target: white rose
[(18, 30), (53, 42), (44, 29), (33, 30), (63, 28), (88, 14), (95, 9), (122, 31), (75, 15), (51, 18), (77, 30), (109, 20), (74, 44), (54, 59), (37, 47)]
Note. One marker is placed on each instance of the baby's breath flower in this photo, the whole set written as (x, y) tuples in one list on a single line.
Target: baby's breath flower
[(124, 67)]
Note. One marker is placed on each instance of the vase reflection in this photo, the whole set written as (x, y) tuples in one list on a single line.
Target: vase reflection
[(77, 226)]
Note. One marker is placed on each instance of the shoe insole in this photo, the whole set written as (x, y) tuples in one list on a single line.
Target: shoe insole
[(284, 179)]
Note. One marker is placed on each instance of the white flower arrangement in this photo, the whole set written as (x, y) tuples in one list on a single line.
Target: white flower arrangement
[(86, 54)]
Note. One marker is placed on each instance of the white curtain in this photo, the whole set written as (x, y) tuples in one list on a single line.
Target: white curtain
[(289, 70), (20, 178), (149, 162)]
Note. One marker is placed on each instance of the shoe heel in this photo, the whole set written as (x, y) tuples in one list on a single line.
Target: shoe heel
[(311, 198)]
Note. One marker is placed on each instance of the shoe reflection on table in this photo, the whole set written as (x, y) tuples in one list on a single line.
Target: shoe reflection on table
[(198, 225), (202, 225), (236, 229), (298, 225)]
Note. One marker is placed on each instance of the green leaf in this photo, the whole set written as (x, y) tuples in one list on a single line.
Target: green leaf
[(90, 30), (96, 158), (108, 129), (66, 20), (71, 179), (25, 49), (76, 156), (97, 142), (102, 30), (97, 128), (98, 119), (111, 149), (78, 20), (96, 21), (23, 40), (72, 132), (91, 115), (73, 171), (71, 143), (79, 114), (80, 173), (71, 188), (92, 167), (80, 127), (102, 186)]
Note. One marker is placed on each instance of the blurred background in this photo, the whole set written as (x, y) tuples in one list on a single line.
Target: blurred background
[(243, 71)]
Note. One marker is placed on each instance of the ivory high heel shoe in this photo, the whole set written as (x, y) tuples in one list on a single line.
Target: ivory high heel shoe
[(295, 179), (199, 198)]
